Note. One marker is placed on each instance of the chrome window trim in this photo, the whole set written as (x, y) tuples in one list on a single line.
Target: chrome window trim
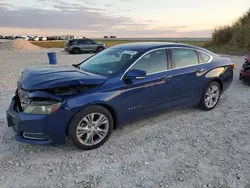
[(166, 48)]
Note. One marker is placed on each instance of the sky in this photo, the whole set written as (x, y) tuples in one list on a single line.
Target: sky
[(122, 18)]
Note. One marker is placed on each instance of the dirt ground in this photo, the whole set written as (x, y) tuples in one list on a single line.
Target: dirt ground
[(186, 148)]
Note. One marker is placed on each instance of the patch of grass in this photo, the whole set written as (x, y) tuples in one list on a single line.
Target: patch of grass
[(109, 43), (217, 48), (225, 49), (235, 37), (49, 44)]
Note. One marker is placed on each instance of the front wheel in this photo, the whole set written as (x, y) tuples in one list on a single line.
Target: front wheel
[(99, 49), (211, 96), (91, 127)]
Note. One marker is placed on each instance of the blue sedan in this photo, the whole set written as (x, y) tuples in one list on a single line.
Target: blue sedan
[(88, 101)]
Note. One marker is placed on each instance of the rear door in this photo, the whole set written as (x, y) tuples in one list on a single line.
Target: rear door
[(82, 44), (187, 76)]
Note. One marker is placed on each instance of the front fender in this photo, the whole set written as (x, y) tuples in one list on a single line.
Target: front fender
[(78, 103)]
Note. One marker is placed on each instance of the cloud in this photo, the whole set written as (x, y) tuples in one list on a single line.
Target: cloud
[(150, 21), (79, 18), (109, 5), (89, 2), (65, 17)]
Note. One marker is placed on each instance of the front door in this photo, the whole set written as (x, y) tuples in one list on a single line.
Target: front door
[(143, 96)]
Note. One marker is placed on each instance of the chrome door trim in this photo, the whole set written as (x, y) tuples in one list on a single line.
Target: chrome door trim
[(166, 48)]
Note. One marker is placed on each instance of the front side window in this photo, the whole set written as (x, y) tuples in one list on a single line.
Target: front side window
[(152, 62), (89, 42), (184, 57), (108, 62)]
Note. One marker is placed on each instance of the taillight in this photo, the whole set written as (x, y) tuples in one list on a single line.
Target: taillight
[(232, 65)]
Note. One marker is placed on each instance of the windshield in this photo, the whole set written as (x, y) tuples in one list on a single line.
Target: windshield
[(107, 62)]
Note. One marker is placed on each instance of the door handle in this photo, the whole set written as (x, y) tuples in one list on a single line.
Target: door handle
[(166, 77), (200, 71)]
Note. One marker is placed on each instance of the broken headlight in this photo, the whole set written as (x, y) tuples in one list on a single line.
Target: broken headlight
[(41, 107)]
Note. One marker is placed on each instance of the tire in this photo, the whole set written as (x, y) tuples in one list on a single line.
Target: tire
[(240, 77), (207, 96), (85, 135), (99, 49), (75, 51)]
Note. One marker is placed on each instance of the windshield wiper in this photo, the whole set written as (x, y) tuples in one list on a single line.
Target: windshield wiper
[(76, 66)]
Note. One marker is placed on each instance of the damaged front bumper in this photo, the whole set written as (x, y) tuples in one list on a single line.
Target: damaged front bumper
[(38, 128)]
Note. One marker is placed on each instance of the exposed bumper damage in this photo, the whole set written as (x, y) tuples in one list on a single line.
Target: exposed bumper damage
[(47, 128)]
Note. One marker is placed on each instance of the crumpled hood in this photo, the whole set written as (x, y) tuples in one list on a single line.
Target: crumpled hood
[(54, 77)]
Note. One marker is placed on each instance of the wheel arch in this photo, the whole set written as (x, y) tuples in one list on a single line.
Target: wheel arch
[(75, 48), (104, 105), (219, 82), (99, 47)]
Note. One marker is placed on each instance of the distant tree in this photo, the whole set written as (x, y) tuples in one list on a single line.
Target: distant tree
[(236, 35), (105, 37)]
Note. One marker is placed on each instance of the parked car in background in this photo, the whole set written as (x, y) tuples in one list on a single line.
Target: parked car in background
[(18, 37), (25, 38), (112, 88), (35, 38), (76, 46), (245, 70), (39, 38)]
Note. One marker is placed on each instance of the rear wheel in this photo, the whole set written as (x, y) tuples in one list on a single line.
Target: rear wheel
[(211, 96), (76, 51), (91, 127)]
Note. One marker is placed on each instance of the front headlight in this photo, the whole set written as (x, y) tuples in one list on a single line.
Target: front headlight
[(41, 109)]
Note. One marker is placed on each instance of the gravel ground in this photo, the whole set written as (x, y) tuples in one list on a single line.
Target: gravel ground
[(181, 148)]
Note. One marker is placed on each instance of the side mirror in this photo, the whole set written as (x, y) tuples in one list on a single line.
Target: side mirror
[(135, 74)]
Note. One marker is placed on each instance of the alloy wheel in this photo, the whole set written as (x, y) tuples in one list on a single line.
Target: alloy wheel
[(92, 129), (212, 96)]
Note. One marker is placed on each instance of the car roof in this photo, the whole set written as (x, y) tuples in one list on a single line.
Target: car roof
[(81, 39), (146, 46)]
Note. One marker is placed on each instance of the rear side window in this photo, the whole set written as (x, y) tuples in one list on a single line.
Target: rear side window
[(152, 62), (82, 42), (184, 57), (70, 42), (203, 57)]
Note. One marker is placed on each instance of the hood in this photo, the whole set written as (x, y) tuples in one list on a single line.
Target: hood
[(54, 77), (101, 44)]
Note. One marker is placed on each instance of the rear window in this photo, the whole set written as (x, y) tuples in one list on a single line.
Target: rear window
[(203, 57), (184, 57), (71, 42)]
